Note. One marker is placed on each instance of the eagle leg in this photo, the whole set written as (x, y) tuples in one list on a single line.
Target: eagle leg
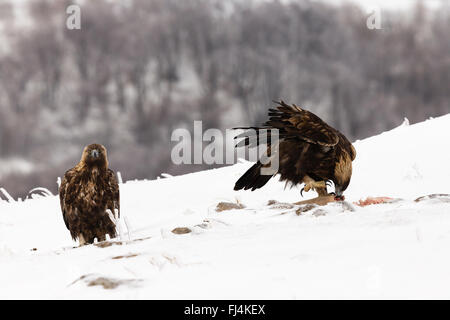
[(319, 186), (322, 191), (81, 240)]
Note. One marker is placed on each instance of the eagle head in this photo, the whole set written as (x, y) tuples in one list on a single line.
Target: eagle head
[(95, 155), (342, 174)]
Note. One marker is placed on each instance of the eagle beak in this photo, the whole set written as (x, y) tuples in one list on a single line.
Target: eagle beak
[(95, 153), (338, 196)]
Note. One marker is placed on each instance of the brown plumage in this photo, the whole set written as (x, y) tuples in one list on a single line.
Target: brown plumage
[(309, 150), (86, 192)]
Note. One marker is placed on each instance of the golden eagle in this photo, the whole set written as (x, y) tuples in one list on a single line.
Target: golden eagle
[(87, 191), (309, 151)]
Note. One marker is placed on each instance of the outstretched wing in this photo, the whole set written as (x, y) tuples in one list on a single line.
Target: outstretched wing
[(292, 122), (295, 122)]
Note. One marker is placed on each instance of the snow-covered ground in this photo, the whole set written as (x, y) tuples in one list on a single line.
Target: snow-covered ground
[(395, 250)]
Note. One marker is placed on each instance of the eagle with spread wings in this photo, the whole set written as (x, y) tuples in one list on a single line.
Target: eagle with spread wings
[(87, 192), (309, 151)]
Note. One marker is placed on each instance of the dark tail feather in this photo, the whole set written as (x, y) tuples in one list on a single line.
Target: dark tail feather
[(252, 179)]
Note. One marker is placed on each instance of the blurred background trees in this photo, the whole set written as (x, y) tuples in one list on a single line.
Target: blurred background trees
[(139, 69)]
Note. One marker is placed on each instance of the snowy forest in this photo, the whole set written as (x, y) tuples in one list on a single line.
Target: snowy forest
[(139, 69)]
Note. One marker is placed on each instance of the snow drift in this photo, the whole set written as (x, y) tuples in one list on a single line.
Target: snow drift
[(395, 250)]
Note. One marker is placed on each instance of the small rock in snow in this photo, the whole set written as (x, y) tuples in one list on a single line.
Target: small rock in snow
[(182, 230), (223, 206)]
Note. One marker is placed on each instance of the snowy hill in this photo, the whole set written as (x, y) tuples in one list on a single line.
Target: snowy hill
[(391, 250)]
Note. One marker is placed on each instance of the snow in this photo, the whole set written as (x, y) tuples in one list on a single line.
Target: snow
[(392, 250)]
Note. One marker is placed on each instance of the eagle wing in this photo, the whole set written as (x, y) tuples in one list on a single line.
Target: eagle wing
[(295, 122), (62, 197), (113, 198), (292, 122), (113, 190)]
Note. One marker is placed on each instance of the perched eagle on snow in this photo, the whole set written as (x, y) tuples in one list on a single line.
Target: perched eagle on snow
[(309, 151), (87, 191)]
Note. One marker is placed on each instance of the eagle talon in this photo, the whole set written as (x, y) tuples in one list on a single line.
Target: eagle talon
[(319, 186), (313, 185)]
